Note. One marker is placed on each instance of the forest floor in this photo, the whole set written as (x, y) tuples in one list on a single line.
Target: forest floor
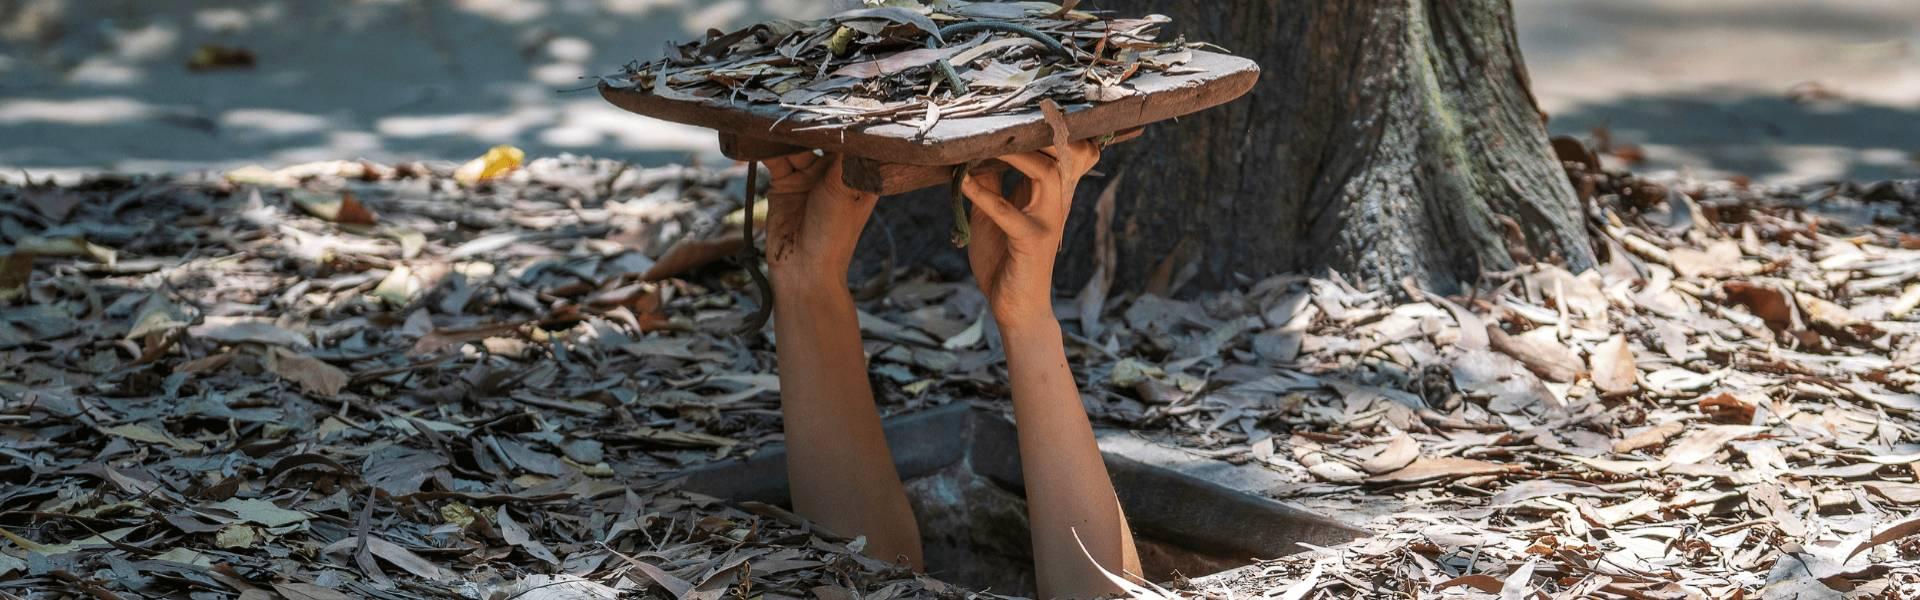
[(347, 379)]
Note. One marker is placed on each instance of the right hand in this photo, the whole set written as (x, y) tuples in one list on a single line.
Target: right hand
[(813, 221), (1016, 238)]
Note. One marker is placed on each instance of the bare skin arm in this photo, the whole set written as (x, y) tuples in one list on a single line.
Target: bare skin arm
[(841, 471), (1068, 490)]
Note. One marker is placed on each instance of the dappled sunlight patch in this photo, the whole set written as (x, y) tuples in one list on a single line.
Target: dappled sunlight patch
[(506, 11), (273, 122), (82, 111), (591, 122)]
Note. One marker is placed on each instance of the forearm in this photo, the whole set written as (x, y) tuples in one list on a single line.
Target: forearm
[(823, 370), (838, 464), (1068, 489)]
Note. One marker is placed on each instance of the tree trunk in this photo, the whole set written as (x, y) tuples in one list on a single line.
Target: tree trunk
[(1387, 139)]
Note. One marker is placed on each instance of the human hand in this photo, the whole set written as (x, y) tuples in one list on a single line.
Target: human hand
[(1015, 239), (813, 221)]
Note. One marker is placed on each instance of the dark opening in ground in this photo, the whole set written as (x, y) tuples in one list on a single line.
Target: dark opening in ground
[(962, 470)]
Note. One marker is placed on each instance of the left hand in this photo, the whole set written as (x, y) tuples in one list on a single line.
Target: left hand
[(1016, 240)]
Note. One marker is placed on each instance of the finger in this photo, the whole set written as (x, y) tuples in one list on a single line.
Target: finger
[(780, 166), (795, 173), (1037, 166), (995, 205)]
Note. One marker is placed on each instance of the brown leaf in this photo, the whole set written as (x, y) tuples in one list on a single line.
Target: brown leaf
[(1700, 445), (1478, 581), (1649, 437), (689, 254), (1893, 532), (1613, 369), (1728, 408), (1397, 454), (1057, 121), (1538, 351), (1766, 301), (1835, 320), (1473, 331), (396, 554), (16, 270), (896, 62), (1449, 467), (312, 374), (353, 213), (1719, 256), (1093, 297)]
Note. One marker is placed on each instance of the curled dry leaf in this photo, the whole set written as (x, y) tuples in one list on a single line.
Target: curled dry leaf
[(1395, 455)]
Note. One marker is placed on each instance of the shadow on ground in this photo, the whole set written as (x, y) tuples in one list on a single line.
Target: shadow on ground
[(106, 85), (1760, 136)]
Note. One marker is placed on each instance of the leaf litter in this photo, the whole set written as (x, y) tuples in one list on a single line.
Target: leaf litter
[(892, 63), (255, 400)]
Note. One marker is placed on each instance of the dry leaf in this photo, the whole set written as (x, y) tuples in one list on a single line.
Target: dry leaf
[(1093, 297), (1700, 445), (396, 554), (238, 330), (1539, 351), (1057, 121), (512, 533), (312, 374), (1649, 437), (689, 254), (1719, 256), (1397, 454), (1431, 468), (1613, 369), (498, 161), (896, 62), (1890, 533), (1766, 301), (71, 247)]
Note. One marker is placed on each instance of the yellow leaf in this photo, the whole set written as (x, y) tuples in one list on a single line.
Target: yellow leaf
[(235, 536), (498, 161), (398, 288)]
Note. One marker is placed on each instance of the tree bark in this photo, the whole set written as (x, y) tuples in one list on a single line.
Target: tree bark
[(1387, 139)]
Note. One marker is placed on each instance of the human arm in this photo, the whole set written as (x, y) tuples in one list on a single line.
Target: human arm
[(841, 471), (1070, 499)]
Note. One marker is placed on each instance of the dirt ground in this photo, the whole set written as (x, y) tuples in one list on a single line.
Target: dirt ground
[(351, 379)]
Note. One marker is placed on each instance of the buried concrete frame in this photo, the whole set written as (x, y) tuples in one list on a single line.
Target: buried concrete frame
[(962, 468)]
